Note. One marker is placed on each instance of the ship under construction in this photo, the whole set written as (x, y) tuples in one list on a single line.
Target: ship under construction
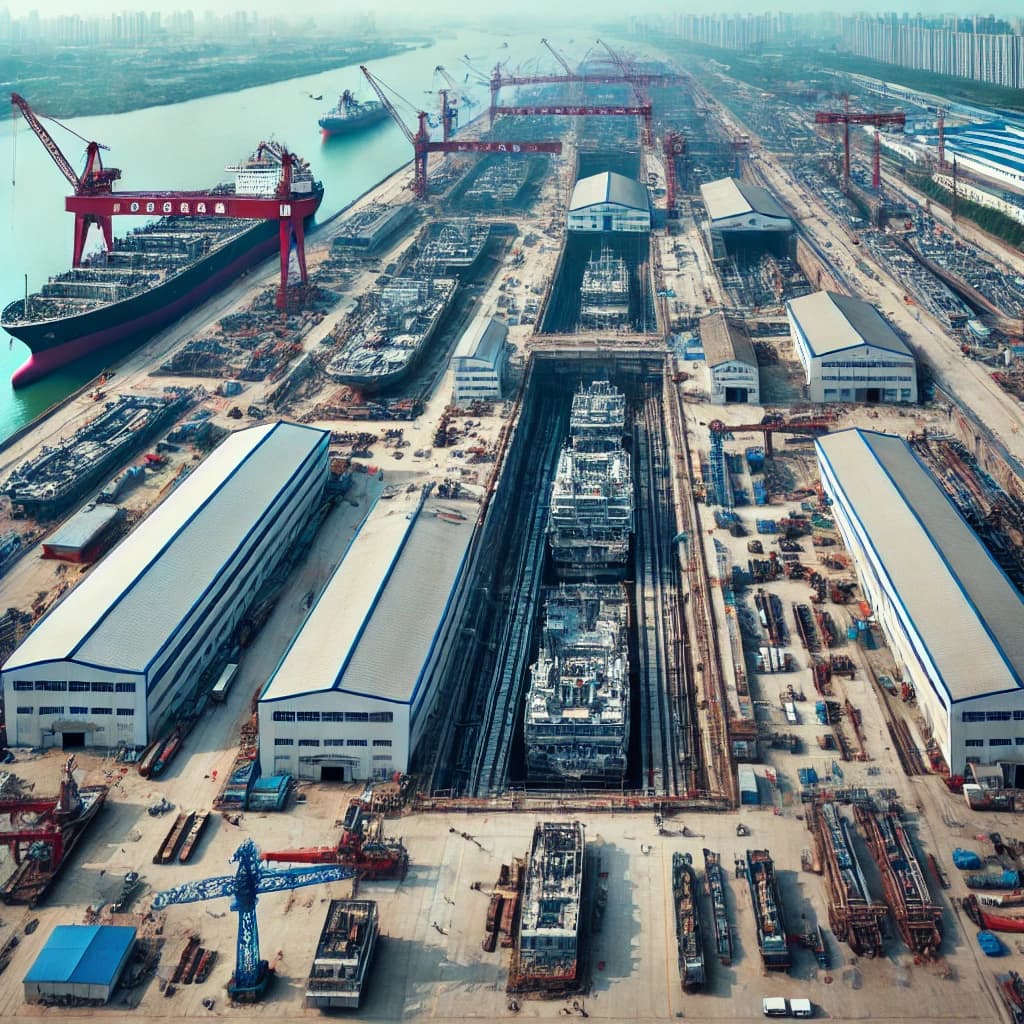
[(604, 291), (547, 954), (854, 916), (577, 707), (772, 941), (590, 521), (906, 891)]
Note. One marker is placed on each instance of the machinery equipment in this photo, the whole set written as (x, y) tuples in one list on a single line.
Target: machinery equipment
[(252, 975)]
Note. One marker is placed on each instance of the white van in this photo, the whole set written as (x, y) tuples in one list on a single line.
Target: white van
[(774, 1006), (801, 1008)]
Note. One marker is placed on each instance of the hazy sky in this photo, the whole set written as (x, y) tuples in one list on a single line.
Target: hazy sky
[(457, 9)]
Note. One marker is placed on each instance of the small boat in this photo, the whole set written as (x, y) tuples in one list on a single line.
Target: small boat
[(149, 755), (990, 944), (716, 888), (188, 847), (167, 752), (991, 922), (1011, 989)]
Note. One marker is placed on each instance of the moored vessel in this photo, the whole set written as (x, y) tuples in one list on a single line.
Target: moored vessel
[(349, 115), (688, 924), (772, 941), (715, 881)]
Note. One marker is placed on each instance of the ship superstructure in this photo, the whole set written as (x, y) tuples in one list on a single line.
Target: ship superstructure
[(688, 923), (604, 291), (577, 707), (547, 953), (590, 520), (772, 941), (452, 248), (349, 115)]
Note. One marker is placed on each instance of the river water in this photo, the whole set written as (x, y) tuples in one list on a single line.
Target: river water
[(186, 146)]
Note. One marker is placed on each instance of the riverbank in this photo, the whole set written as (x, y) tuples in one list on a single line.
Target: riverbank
[(121, 80)]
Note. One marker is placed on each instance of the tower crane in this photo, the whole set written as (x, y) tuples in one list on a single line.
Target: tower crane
[(422, 144), (252, 975), (846, 117), (558, 57), (294, 200)]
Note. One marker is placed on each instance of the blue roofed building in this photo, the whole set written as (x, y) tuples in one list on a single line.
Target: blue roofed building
[(953, 620), (80, 962), (356, 691), (119, 657)]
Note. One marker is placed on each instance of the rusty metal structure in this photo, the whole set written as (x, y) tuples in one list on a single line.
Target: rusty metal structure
[(906, 891), (852, 914)]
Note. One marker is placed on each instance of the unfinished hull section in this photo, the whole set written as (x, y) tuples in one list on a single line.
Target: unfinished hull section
[(547, 954), (344, 955), (906, 891), (854, 917), (590, 522), (577, 708), (689, 939), (715, 881), (772, 941), (604, 292)]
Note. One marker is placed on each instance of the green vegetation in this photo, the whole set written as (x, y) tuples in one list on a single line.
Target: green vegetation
[(79, 81), (988, 219)]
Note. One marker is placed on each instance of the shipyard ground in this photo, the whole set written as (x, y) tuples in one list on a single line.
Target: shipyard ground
[(430, 965)]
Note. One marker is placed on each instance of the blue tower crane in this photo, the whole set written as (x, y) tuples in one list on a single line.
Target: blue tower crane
[(252, 974)]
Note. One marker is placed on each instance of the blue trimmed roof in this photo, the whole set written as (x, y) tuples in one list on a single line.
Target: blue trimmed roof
[(609, 187), (968, 616), (832, 323), (78, 954), (124, 612), (999, 142)]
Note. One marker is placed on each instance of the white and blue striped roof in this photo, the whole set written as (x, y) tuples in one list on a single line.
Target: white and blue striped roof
[(963, 612), (125, 611)]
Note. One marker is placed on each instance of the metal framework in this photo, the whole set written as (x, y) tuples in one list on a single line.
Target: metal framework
[(244, 887), (423, 146), (846, 118)]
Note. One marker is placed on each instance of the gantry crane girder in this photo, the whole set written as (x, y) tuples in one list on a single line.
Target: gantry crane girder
[(422, 144), (771, 425), (896, 119), (245, 887), (577, 110)]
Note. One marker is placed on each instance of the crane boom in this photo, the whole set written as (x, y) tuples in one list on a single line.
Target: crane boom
[(561, 60), (378, 88), (95, 177)]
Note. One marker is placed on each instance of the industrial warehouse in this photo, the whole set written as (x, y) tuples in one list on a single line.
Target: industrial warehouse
[(848, 352), (500, 658), (120, 657), (356, 690), (955, 622)]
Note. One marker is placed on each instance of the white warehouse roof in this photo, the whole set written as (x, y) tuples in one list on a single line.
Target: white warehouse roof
[(609, 187), (483, 339), (129, 605), (729, 197), (832, 323), (372, 630), (967, 614)]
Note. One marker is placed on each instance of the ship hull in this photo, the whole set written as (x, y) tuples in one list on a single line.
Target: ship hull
[(56, 343), (332, 127), (688, 925)]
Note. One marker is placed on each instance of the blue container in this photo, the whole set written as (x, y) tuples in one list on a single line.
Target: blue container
[(966, 860)]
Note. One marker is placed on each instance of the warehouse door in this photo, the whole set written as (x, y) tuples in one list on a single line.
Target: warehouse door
[(736, 395), (607, 222), (73, 740), (332, 773)]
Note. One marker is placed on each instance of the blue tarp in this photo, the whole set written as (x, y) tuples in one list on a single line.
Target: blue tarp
[(82, 954)]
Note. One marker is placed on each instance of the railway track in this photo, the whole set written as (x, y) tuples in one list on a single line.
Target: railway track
[(658, 623)]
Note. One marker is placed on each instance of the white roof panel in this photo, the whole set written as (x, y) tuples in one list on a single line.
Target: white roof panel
[(729, 197), (725, 341), (968, 614), (372, 630), (609, 187), (130, 604), (832, 323), (483, 339)]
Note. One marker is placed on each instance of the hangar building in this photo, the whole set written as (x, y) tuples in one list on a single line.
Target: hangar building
[(744, 218), (479, 360), (849, 352), (953, 619), (353, 695), (118, 658), (609, 202), (80, 962), (730, 359)]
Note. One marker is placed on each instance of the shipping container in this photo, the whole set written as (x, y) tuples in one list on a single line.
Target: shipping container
[(749, 792)]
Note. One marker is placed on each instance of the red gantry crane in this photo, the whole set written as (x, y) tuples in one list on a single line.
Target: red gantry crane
[(847, 117), (423, 146), (293, 201)]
